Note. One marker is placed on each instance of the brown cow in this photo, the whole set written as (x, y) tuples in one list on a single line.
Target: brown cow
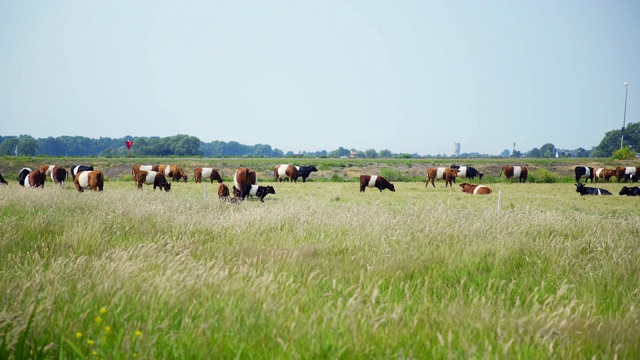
[(58, 173), (519, 172), (223, 192), (475, 189), (206, 173), (172, 171), (286, 172), (441, 173), (627, 172), (157, 179), (243, 176), (375, 181), (35, 179), (93, 180), (142, 167), (603, 173)]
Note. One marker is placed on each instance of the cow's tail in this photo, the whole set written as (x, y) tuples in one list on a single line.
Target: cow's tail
[(500, 173)]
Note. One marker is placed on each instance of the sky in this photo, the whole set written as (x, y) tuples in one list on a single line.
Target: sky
[(406, 76)]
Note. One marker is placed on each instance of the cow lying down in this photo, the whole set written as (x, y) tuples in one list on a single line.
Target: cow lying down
[(475, 189), (632, 191), (583, 190), (256, 190)]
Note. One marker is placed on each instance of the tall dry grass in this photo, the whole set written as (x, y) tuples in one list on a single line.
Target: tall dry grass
[(319, 271)]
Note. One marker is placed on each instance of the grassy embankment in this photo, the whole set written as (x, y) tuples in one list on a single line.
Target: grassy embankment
[(319, 270)]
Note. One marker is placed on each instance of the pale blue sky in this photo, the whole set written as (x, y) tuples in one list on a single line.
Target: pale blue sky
[(408, 76)]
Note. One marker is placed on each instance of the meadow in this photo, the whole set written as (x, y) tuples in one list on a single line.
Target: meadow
[(319, 270)]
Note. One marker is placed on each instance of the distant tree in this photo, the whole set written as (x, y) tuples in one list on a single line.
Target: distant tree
[(505, 153), (582, 153), (535, 152), (611, 141), (385, 153), (516, 154), (548, 154), (27, 145), (339, 152), (371, 153), (547, 147), (8, 145)]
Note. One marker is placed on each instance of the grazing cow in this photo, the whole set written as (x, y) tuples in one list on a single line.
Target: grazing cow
[(206, 173), (35, 179), (583, 190), (584, 172), (632, 191), (157, 179), (93, 180), (22, 175), (375, 181), (305, 171), (172, 171), (3, 181), (77, 168), (223, 192), (243, 176), (441, 173), (519, 172), (468, 172), (57, 173), (256, 190), (603, 173), (627, 173), (286, 172), (475, 189), (142, 167)]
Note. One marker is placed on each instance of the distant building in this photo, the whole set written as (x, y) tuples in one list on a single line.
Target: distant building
[(456, 149)]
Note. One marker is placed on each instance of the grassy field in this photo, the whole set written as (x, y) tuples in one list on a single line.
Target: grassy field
[(319, 270)]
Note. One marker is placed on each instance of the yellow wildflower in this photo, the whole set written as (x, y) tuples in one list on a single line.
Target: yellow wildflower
[(98, 320), (90, 342), (103, 310), (107, 329), (138, 333), (78, 335)]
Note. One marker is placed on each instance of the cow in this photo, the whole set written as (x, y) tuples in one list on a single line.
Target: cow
[(172, 171), (441, 173), (223, 192), (3, 181), (375, 181), (584, 172), (157, 179), (286, 172), (22, 175), (142, 167), (57, 173), (632, 191), (475, 189), (206, 173), (583, 190), (35, 179), (256, 190), (93, 180), (519, 172), (77, 168), (468, 172), (305, 171), (603, 173), (241, 177), (627, 173)]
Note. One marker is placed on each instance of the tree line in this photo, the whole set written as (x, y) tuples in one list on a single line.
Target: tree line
[(185, 145)]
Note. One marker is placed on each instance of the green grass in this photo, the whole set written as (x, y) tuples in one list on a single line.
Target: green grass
[(319, 270)]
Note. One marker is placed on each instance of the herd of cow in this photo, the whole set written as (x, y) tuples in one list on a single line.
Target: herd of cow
[(246, 182)]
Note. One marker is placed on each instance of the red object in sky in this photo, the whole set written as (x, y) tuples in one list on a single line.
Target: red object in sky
[(129, 143)]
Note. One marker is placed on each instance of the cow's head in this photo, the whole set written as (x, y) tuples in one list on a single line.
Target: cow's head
[(167, 186), (480, 175), (579, 187)]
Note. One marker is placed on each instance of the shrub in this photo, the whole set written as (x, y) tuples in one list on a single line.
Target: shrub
[(624, 154), (543, 176)]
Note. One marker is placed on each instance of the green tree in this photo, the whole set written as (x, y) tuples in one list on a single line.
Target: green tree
[(624, 154), (548, 154), (582, 153), (547, 147), (385, 153), (371, 153), (8, 145), (27, 145), (535, 152)]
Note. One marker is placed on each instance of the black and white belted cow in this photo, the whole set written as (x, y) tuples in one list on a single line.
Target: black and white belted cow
[(468, 172), (584, 172)]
